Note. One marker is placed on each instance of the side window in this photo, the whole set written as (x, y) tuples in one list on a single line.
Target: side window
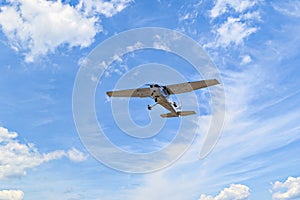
[(164, 92)]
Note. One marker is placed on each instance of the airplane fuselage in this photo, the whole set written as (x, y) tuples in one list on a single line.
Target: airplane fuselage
[(161, 96)]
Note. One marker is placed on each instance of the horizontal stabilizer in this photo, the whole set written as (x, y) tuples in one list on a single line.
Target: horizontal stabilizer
[(179, 113), (167, 115), (186, 113)]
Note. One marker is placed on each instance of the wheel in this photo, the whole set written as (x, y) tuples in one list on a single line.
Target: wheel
[(149, 107), (175, 105)]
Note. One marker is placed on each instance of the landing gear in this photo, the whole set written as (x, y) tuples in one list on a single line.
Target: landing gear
[(150, 107), (174, 104)]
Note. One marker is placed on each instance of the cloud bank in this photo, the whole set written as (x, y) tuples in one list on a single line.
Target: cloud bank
[(16, 158)]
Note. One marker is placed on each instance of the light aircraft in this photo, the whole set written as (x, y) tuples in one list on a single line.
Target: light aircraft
[(161, 94)]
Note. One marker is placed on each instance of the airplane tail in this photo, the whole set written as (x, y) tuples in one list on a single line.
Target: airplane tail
[(179, 113)]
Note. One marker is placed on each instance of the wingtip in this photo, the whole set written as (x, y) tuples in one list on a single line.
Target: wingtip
[(211, 82), (109, 94)]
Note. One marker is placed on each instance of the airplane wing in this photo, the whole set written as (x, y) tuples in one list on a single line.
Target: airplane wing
[(190, 86), (139, 92)]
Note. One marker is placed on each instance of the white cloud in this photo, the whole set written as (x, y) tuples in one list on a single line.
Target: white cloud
[(5, 135), (11, 194), (106, 8), (16, 158), (233, 31), (234, 192), (252, 16), (290, 189), (76, 155), (121, 68), (160, 43), (39, 27), (136, 46), (161, 46), (222, 6), (246, 60)]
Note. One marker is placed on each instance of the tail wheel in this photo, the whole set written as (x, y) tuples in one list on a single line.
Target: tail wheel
[(149, 107)]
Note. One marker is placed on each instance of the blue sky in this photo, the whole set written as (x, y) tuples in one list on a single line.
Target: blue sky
[(254, 46)]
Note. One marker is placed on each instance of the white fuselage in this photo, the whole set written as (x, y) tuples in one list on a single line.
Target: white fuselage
[(161, 96)]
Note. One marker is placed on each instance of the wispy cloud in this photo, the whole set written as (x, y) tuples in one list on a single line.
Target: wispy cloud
[(253, 130), (289, 8), (106, 8), (246, 136)]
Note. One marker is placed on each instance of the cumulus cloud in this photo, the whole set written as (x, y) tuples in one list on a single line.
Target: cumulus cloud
[(39, 27), (16, 158), (233, 31), (5, 135), (234, 192), (290, 189), (11, 194)]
